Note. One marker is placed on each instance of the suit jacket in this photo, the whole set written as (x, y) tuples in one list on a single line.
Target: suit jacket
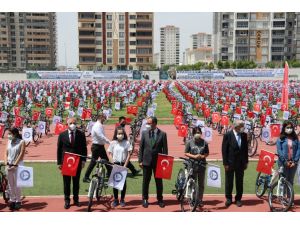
[(64, 145), (148, 154), (232, 154)]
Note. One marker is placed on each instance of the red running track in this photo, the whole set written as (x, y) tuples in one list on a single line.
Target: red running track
[(212, 203), (45, 149)]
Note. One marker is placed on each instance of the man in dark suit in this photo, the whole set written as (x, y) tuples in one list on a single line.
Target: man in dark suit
[(235, 161), (74, 141), (153, 141)]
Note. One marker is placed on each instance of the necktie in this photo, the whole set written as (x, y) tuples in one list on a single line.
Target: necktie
[(239, 140), (72, 138), (152, 138)]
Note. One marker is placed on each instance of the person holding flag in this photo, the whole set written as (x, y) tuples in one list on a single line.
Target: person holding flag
[(13, 157), (197, 149), (153, 142), (288, 150), (71, 140), (235, 161), (119, 152)]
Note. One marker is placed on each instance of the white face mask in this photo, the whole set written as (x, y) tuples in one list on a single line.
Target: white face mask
[(288, 130), (197, 136), (72, 127), (120, 137), (10, 137), (148, 127), (242, 129)]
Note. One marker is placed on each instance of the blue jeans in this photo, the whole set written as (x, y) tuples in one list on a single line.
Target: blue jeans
[(290, 174)]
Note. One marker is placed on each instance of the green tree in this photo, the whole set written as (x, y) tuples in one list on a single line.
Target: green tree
[(211, 66), (234, 65), (270, 64), (220, 64), (166, 67), (226, 65)]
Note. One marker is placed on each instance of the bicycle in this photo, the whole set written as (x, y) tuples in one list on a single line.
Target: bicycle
[(4, 188), (97, 183), (186, 185)]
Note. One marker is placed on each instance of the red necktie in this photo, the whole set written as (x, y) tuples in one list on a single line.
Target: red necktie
[(72, 138)]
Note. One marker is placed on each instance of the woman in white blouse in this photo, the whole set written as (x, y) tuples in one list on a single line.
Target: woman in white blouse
[(119, 152)]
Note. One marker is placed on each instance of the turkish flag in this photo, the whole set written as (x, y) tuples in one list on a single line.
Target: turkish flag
[(68, 99), (224, 120), (275, 130), (129, 109), (265, 162), (86, 114), (177, 120), (39, 105), (179, 105), (207, 113), (174, 111), (215, 117), (49, 112), (17, 111), (20, 102), (36, 115), (2, 127), (238, 110), (55, 105), (18, 121), (250, 114), (256, 107), (269, 111), (128, 120), (134, 109), (139, 103), (164, 166), (70, 164), (67, 105), (298, 103), (60, 128), (225, 108), (265, 103), (179, 112), (262, 119), (76, 102), (244, 104), (284, 107), (98, 105), (183, 130)]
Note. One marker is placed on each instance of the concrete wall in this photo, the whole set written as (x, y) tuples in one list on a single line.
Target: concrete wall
[(13, 76)]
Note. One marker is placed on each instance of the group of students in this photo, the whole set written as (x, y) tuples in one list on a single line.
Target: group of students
[(153, 142)]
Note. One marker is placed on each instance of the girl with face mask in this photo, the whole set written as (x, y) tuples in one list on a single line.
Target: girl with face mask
[(197, 149), (288, 149), (119, 152), (13, 157)]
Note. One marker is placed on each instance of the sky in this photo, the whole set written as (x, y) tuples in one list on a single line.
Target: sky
[(188, 22)]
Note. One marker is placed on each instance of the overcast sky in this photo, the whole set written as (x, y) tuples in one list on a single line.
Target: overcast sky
[(189, 23)]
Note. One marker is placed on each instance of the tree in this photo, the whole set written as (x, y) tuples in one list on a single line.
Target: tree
[(211, 66), (166, 67), (153, 67), (220, 64), (270, 64), (233, 65), (226, 65)]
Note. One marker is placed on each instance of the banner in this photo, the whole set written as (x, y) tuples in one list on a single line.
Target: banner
[(24, 176), (208, 133), (265, 162), (214, 176), (117, 177), (117, 106), (164, 166), (27, 134), (42, 127), (266, 134), (56, 119), (70, 164)]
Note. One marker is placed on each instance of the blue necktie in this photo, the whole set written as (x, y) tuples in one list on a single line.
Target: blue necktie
[(239, 140)]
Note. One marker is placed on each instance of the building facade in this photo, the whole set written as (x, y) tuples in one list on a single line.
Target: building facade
[(257, 36), (115, 40), (27, 41), (192, 56), (169, 45), (200, 40)]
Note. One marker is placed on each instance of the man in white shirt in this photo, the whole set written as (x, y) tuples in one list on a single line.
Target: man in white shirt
[(98, 149)]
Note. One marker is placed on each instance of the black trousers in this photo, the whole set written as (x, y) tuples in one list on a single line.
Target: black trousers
[(238, 172), (67, 185), (147, 173), (97, 151), (116, 191), (131, 167)]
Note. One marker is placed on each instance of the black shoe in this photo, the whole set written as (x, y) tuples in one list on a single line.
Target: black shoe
[(200, 204), (135, 172), (161, 204), (238, 203), (228, 202), (77, 203), (145, 203), (12, 205), (86, 180), (17, 205), (67, 204)]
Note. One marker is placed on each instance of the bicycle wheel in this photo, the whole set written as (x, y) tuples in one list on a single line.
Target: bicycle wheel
[(27, 143), (91, 193), (180, 183), (35, 136), (190, 197), (100, 186), (260, 185), (5, 190), (282, 199), (252, 146)]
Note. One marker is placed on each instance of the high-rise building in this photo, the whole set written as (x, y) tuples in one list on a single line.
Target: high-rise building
[(156, 59), (192, 56), (169, 45), (200, 40), (115, 40), (257, 36), (297, 36), (27, 40)]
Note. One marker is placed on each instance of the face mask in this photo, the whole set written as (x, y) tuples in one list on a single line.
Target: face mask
[(197, 136), (148, 127), (120, 137), (10, 137), (288, 130), (72, 127), (242, 129)]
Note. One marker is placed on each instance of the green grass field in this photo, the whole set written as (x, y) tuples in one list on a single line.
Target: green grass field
[(48, 181)]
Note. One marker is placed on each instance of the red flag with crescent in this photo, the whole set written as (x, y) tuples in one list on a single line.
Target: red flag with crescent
[(36, 115), (134, 109), (18, 121), (177, 120), (70, 164), (256, 107), (238, 111), (207, 113), (224, 120), (2, 127), (17, 111), (285, 86), (183, 130), (284, 107), (60, 128), (275, 130), (139, 103), (265, 162), (215, 117), (269, 111), (164, 166), (49, 112), (129, 109)]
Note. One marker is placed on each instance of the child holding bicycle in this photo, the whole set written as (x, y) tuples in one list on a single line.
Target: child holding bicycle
[(13, 157), (119, 152), (197, 149)]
